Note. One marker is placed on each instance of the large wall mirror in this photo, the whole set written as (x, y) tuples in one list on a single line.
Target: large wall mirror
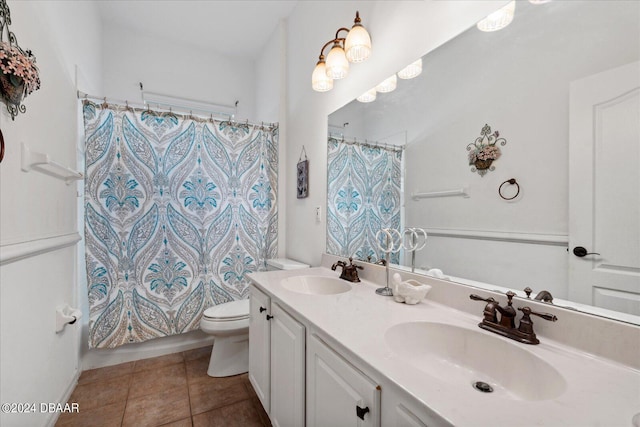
[(561, 87)]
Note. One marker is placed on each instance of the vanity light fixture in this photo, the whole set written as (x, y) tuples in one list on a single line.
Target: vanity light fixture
[(387, 85), (368, 96), (412, 70), (539, 1), (355, 47), (498, 19)]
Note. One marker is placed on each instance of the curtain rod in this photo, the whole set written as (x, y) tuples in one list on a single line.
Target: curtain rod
[(146, 107), (370, 144)]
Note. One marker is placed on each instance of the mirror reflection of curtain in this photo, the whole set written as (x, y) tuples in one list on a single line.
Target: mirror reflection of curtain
[(363, 196), (177, 211)]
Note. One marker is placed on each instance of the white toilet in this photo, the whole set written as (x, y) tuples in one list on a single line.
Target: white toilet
[(229, 325)]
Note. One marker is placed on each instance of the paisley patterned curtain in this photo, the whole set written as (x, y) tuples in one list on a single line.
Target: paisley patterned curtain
[(177, 211), (363, 195)]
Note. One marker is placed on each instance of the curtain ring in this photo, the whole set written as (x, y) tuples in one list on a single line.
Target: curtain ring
[(511, 181)]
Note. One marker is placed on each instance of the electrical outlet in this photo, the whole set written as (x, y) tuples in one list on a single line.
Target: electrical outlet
[(318, 213)]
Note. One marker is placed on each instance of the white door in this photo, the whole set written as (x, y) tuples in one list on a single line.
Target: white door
[(259, 345), (287, 369), (338, 394), (604, 189)]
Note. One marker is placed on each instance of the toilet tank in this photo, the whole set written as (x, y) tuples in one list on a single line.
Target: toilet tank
[(284, 264)]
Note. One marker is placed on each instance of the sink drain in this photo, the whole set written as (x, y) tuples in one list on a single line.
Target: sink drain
[(482, 386)]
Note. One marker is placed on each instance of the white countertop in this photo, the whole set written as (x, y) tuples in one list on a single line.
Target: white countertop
[(599, 392)]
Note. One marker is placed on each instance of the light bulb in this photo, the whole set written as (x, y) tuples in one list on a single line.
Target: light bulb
[(387, 85), (412, 70), (320, 82), (337, 64), (368, 96), (357, 45), (498, 19)]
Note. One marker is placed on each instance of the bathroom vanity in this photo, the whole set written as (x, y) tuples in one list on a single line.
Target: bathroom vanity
[(324, 351)]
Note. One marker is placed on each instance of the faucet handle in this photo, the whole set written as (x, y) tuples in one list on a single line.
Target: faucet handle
[(479, 298), (355, 265), (546, 316), (528, 291)]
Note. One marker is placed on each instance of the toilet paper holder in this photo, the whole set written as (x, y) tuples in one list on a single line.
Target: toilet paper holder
[(65, 315)]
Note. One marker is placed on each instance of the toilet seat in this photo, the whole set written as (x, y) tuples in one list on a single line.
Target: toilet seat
[(230, 311)]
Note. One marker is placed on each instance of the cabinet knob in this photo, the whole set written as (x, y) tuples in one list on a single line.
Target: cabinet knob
[(361, 411), (269, 317), (262, 309)]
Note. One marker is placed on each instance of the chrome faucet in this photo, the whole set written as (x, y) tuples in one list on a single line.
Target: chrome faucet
[(544, 296), (349, 272), (507, 326)]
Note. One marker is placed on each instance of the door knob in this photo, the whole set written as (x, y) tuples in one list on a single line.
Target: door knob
[(262, 309), (580, 251), (269, 317)]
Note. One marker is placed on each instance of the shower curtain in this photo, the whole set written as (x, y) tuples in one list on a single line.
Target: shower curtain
[(177, 211), (364, 187)]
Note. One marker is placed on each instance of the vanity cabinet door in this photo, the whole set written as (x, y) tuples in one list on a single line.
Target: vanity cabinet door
[(287, 369), (259, 345), (338, 394)]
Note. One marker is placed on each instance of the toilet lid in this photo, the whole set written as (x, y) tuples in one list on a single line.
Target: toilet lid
[(234, 310)]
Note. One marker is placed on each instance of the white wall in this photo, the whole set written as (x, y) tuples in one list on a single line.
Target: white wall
[(174, 69), (401, 32), (36, 364), (271, 99)]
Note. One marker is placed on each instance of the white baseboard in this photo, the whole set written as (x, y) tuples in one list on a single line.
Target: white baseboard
[(53, 416), (101, 357)]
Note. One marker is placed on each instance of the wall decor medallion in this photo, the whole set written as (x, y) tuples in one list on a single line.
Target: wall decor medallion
[(20, 75), (303, 176), (484, 151)]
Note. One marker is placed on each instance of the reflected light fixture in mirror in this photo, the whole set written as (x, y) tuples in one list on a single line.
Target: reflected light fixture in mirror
[(356, 47), (387, 85), (368, 96), (412, 70), (498, 19)]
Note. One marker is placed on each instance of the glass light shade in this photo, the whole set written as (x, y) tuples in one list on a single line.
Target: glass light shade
[(320, 82), (368, 96), (412, 70), (337, 64), (387, 85), (357, 45), (498, 19)]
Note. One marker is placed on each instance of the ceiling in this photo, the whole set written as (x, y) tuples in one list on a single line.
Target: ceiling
[(237, 28)]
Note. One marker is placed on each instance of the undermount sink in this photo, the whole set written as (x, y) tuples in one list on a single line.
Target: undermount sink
[(468, 357), (316, 285)]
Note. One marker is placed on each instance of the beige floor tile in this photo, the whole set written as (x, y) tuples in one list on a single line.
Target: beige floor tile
[(182, 423), (106, 373), (101, 393), (216, 392), (261, 412), (159, 408), (197, 353), (154, 381), (158, 362), (241, 414), (104, 416), (197, 369)]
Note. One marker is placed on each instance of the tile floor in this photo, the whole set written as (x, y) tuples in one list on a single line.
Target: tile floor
[(172, 390)]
